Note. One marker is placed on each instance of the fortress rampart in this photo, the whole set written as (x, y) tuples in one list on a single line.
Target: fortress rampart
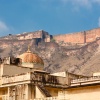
[(79, 37), (30, 35), (75, 38), (44, 36)]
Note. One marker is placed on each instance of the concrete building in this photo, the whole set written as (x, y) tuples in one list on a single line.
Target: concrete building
[(23, 78)]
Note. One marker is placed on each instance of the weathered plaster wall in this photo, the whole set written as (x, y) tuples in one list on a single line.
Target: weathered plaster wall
[(31, 92), (38, 93), (14, 70), (53, 91), (3, 92), (82, 93)]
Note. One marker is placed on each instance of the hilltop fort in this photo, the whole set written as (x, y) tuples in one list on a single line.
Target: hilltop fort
[(41, 35)]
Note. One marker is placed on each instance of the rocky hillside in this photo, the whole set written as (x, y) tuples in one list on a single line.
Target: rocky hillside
[(80, 59)]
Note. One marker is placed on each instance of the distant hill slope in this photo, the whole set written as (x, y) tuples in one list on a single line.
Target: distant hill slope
[(76, 58)]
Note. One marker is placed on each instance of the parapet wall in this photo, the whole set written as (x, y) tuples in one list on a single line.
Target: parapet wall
[(79, 37)]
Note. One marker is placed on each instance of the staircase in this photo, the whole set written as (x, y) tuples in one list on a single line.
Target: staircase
[(44, 91)]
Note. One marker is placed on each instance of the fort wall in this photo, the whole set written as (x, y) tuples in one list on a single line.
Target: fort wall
[(70, 38), (44, 36), (79, 37), (31, 35), (75, 38)]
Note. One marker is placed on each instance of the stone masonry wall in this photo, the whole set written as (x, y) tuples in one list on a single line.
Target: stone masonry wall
[(41, 34), (79, 37), (70, 38), (37, 34), (92, 35)]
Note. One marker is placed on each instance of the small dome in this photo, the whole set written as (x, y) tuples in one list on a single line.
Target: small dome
[(29, 57)]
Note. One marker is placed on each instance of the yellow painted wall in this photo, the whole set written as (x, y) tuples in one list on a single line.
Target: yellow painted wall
[(82, 93), (38, 93), (53, 91)]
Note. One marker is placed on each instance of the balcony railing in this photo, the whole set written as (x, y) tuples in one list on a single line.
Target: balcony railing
[(48, 79)]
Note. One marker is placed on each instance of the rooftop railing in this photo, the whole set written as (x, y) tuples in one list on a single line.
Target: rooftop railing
[(42, 78), (52, 98), (89, 79), (15, 78), (48, 79), (48, 98)]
